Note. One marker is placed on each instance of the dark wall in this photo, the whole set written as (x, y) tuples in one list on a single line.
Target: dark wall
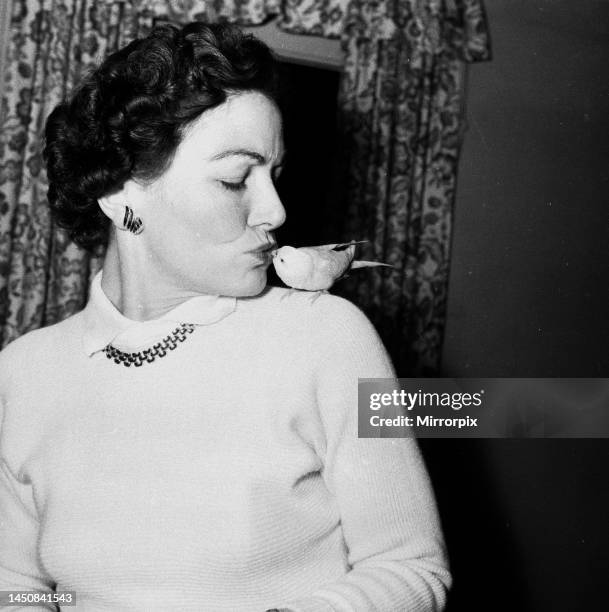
[(526, 520), (307, 98), (529, 285), (308, 102)]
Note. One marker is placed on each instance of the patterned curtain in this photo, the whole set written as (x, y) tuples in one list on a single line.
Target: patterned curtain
[(400, 114), (43, 276)]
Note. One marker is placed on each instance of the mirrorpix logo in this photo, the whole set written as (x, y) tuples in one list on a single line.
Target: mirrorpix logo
[(423, 401)]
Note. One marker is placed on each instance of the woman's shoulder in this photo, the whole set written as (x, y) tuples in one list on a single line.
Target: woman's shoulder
[(324, 319), (321, 310), (40, 345), (331, 332)]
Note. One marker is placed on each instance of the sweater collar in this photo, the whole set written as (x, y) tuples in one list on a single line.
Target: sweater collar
[(104, 324)]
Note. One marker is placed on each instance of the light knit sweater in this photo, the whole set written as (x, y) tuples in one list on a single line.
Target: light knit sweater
[(226, 476)]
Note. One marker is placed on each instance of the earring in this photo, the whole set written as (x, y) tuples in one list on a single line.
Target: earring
[(131, 223)]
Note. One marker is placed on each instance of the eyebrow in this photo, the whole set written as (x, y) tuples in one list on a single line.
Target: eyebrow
[(260, 159)]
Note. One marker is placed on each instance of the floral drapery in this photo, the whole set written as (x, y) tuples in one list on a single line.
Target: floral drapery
[(399, 109), (401, 103), (400, 118), (43, 276)]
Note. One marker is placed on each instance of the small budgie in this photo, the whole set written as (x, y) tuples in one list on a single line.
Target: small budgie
[(317, 268)]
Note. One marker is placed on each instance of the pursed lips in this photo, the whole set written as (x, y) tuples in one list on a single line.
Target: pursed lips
[(263, 248), (264, 252)]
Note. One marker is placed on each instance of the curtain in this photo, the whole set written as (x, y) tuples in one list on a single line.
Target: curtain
[(400, 118), (43, 276)]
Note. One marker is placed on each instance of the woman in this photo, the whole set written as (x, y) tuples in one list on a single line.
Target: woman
[(189, 440)]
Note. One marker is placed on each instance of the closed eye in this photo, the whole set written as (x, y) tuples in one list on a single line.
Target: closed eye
[(233, 186)]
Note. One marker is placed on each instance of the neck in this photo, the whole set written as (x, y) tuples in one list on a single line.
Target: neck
[(134, 286)]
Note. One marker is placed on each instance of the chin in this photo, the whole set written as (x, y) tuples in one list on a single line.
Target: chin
[(253, 284)]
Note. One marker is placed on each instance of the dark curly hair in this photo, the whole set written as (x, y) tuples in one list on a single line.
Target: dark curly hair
[(127, 117)]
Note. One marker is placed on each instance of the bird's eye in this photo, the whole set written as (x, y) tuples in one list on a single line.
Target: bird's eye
[(281, 260)]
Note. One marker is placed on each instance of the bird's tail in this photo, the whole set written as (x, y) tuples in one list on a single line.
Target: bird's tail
[(369, 264)]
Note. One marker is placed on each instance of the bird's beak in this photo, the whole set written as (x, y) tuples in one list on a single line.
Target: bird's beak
[(274, 253)]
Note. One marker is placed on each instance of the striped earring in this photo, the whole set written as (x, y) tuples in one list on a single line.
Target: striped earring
[(132, 223)]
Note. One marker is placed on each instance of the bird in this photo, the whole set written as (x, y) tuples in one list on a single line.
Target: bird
[(317, 268)]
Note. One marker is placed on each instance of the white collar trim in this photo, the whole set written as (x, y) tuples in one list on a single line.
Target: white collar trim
[(104, 324)]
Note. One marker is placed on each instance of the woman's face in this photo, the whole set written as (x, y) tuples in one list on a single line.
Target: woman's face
[(209, 218)]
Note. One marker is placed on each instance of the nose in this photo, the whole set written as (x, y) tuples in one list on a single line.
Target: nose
[(266, 208)]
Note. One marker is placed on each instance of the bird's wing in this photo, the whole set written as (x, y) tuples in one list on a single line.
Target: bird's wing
[(329, 265), (338, 245), (324, 256)]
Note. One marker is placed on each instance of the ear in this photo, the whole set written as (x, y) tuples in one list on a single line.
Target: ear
[(113, 206)]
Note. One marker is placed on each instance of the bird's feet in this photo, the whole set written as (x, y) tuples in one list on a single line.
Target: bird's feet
[(316, 294)]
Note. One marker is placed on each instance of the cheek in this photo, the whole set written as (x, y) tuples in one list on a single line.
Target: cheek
[(210, 216), (224, 221)]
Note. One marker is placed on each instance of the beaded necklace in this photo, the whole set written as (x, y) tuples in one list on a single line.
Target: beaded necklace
[(158, 350)]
